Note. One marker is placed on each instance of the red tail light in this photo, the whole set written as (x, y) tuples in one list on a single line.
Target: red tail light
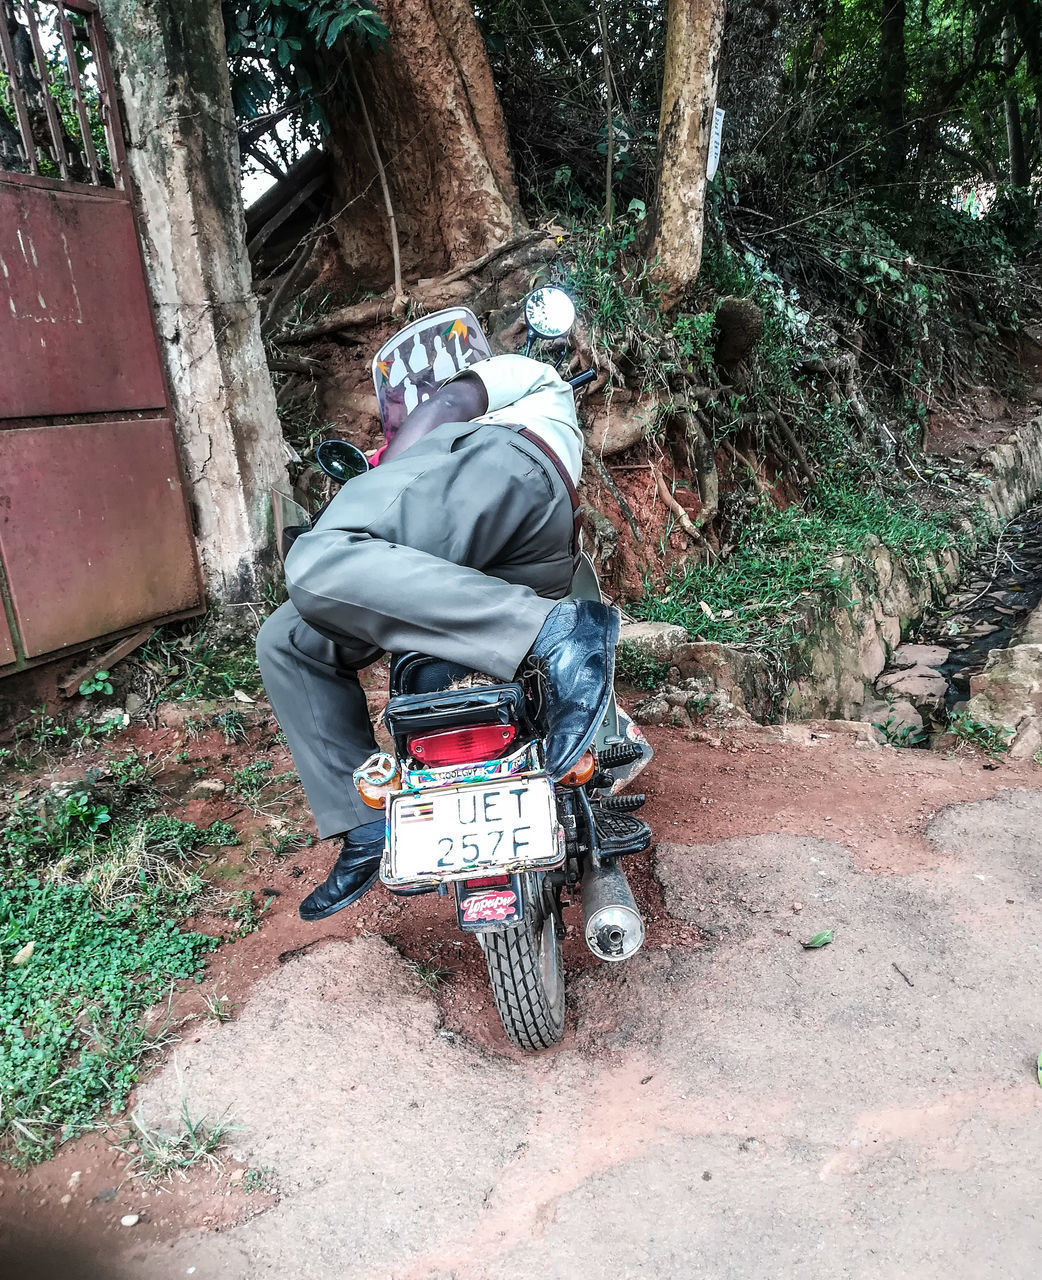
[(484, 882), (463, 746)]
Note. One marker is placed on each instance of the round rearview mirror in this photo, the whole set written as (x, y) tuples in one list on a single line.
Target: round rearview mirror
[(341, 461), (549, 312)]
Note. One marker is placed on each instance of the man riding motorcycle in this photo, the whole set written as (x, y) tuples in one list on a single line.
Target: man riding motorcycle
[(459, 544)]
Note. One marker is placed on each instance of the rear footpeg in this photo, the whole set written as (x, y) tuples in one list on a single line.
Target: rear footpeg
[(618, 832), (618, 754), (623, 804), (612, 924)]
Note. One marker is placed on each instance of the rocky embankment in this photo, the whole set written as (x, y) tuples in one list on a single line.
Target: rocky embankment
[(974, 653)]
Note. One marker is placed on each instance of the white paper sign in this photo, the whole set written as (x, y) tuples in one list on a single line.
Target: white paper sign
[(713, 159)]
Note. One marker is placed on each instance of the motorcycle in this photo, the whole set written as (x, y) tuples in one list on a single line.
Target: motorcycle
[(468, 805)]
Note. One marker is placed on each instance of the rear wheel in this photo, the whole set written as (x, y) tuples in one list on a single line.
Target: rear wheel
[(526, 969)]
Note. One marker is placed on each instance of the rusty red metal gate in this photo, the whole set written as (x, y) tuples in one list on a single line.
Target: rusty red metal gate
[(94, 530)]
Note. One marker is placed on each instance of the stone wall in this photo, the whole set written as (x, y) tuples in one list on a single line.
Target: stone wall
[(843, 644)]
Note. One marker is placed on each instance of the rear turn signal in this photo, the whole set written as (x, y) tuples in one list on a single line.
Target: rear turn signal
[(377, 778), (581, 773), (463, 746), (374, 797)]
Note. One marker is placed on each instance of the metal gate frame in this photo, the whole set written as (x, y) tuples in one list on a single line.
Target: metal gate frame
[(115, 409)]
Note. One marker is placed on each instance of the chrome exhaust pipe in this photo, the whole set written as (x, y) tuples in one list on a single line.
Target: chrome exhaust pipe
[(611, 922)]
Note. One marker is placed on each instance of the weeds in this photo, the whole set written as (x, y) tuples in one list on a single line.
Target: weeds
[(245, 914), (985, 737), (784, 557), (39, 734), (96, 880), (97, 683), (249, 781), (197, 662), (74, 838), (898, 735), (280, 843), (39, 737), (430, 976), (218, 1007), (254, 779), (635, 667), (156, 1156), (232, 725), (259, 1179), (73, 1013)]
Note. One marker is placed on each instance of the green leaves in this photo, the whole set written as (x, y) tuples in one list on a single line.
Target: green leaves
[(97, 683), (333, 19), (785, 556), (273, 48), (74, 1032), (96, 883), (819, 940)]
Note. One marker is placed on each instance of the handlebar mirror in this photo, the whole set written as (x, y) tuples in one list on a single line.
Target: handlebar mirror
[(341, 461), (549, 312)]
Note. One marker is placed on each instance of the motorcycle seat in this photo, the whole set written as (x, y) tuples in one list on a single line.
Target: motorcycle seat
[(419, 673)]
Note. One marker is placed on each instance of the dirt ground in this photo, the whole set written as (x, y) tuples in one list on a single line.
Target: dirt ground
[(728, 1104)]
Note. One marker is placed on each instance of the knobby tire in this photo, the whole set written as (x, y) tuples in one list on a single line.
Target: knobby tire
[(532, 1016)]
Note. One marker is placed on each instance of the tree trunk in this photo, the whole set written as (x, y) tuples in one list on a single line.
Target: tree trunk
[(1018, 166), (693, 32), (184, 156), (893, 74), (1029, 28), (441, 134)]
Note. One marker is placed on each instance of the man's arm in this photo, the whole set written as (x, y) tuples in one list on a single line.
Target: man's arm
[(460, 400)]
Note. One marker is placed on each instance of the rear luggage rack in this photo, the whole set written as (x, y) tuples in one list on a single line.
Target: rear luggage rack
[(411, 715)]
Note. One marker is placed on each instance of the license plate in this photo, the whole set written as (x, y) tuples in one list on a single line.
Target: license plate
[(449, 833)]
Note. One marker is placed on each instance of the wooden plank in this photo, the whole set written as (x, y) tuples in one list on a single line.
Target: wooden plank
[(120, 650)]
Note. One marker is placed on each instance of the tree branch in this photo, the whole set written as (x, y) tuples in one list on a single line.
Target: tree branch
[(396, 256)]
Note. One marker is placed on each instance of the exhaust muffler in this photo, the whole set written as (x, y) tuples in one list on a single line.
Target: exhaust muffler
[(611, 922)]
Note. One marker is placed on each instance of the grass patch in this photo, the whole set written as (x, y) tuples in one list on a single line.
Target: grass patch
[(156, 1155), (41, 737), (203, 660), (752, 596), (429, 975), (97, 880), (635, 667), (73, 1011)]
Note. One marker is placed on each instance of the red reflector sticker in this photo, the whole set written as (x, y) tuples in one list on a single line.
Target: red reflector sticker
[(498, 905)]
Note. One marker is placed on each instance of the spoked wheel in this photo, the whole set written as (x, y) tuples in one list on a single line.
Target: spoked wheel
[(526, 969)]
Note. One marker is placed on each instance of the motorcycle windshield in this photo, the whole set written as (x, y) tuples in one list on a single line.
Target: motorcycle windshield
[(291, 520), (412, 365)]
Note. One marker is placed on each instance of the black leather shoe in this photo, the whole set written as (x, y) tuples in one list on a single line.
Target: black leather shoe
[(575, 651), (355, 872)]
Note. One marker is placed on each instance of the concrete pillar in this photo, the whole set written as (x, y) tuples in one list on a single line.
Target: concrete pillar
[(170, 60)]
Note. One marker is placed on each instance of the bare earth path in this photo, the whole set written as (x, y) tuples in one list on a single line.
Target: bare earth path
[(728, 1105)]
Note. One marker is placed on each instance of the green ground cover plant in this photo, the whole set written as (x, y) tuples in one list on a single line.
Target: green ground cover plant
[(199, 660), (97, 880), (985, 737), (751, 597)]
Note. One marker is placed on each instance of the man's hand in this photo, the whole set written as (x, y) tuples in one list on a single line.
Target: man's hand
[(460, 400)]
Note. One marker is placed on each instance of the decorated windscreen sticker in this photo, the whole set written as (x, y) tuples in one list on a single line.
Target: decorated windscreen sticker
[(412, 365)]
